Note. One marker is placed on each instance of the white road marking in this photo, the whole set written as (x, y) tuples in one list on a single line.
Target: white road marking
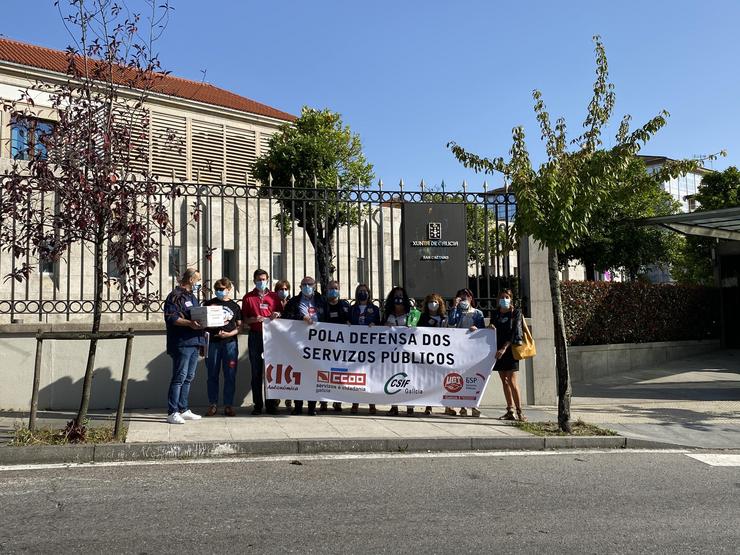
[(335, 457), (717, 459)]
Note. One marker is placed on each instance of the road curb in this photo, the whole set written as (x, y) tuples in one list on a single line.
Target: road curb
[(41, 454)]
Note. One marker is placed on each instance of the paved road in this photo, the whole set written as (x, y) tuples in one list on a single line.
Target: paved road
[(565, 502)]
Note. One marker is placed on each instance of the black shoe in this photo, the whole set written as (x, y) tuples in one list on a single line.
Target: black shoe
[(410, 411), (256, 411), (312, 412), (323, 406), (297, 411), (337, 407)]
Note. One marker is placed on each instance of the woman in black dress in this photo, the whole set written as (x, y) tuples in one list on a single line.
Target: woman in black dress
[(508, 323)]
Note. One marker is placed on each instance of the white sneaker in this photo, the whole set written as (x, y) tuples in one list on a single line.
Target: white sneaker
[(175, 418), (190, 415)]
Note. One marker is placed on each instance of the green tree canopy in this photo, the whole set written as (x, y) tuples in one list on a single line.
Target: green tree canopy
[(319, 159), (615, 240), (557, 202), (719, 190), (693, 263)]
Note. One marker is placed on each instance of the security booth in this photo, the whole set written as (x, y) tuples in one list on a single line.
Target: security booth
[(723, 226)]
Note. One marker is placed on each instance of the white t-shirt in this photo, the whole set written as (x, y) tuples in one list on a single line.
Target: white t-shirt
[(394, 320)]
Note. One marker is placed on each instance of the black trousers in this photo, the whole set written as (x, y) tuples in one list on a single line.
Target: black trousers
[(256, 348)]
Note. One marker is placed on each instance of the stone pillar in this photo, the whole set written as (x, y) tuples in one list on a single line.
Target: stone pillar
[(535, 290)]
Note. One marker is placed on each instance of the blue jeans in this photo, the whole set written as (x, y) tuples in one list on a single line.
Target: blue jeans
[(222, 354), (184, 363)]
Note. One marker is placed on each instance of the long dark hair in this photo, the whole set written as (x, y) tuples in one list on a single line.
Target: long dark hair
[(389, 304)]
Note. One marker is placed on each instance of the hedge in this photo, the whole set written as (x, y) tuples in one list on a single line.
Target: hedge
[(600, 313)]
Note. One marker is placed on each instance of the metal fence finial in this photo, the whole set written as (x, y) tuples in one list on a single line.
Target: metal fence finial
[(485, 186), (422, 185), (400, 185), (443, 186), (292, 180), (380, 185), (465, 186)]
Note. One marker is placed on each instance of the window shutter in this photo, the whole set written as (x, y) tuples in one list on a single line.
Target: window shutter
[(168, 146), (208, 151), (241, 152)]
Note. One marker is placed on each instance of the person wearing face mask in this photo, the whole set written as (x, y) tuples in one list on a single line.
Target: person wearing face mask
[(337, 313), (282, 290), (184, 341), (397, 310), (223, 351), (311, 307), (259, 305), (464, 314), (364, 312), (434, 315), (507, 321)]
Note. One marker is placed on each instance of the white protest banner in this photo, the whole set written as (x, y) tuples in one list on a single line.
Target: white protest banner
[(379, 364)]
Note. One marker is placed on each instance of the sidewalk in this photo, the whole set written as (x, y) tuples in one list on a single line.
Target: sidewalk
[(693, 402)]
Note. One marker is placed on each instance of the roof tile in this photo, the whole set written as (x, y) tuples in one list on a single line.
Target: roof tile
[(56, 60)]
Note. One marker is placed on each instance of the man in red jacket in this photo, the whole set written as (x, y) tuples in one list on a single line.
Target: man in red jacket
[(259, 305)]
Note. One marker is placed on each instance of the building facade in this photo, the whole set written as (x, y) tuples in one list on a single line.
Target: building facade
[(213, 138)]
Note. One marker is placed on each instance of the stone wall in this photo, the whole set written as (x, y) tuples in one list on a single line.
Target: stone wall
[(596, 361)]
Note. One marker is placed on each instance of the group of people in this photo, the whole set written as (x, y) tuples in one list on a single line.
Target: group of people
[(185, 336)]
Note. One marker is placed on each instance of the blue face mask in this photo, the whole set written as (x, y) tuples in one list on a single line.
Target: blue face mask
[(464, 305), (196, 288), (221, 294), (504, 303), (307, 290), (283, 293), (333, 293), (261, 284)]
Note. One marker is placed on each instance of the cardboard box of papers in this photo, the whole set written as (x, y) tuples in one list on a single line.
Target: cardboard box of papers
[(208, 316)]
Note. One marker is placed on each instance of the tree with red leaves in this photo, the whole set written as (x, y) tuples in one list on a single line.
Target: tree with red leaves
[(86, 181)]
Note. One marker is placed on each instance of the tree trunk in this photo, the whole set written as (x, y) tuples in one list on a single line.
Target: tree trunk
[(324, 249), (561, 348), (97, 309)]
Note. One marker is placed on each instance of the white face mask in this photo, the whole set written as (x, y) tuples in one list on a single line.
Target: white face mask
[(433, 306)]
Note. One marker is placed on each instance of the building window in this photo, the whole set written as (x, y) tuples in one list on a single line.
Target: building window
[(175, 262), (229, 264), (396, 272), (277, 265), (28, 138), (46, 267), (362, 270)]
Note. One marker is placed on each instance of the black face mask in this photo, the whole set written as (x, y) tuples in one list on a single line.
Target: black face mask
[(398, 300), (362, 296)]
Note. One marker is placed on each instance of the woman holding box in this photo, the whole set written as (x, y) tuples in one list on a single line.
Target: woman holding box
[(223, 351)]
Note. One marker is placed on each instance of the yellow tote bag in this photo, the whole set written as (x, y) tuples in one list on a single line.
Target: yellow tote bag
[(527, 349)]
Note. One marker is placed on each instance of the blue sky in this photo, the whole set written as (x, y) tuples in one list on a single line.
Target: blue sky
[(411, 76)]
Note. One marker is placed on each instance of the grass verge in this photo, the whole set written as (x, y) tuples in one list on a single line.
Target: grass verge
[(22, 436), (580, 428)]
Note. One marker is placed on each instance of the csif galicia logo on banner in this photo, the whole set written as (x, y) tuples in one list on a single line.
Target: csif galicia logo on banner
[(400, 382)]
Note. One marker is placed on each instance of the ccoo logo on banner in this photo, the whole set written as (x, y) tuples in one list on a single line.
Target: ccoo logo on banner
[(381, 365)]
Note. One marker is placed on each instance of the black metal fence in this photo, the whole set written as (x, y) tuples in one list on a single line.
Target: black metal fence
[(231, 230)]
